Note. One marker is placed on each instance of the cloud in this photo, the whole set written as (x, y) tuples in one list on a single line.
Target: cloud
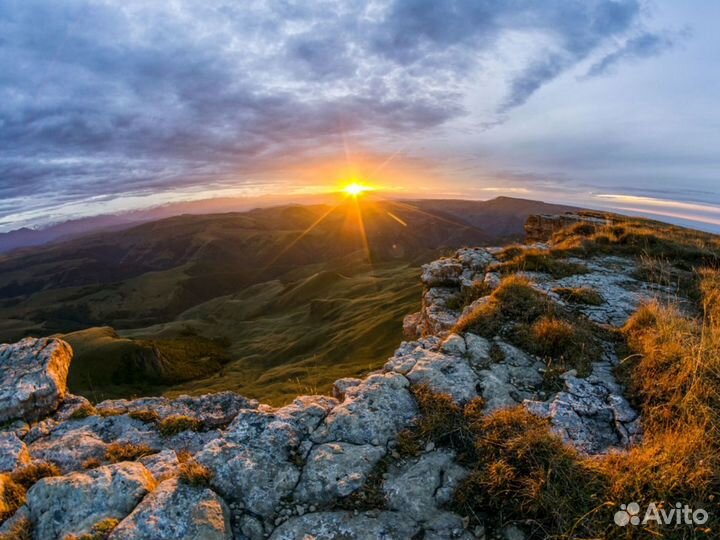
[(645, 45), (103, 98)]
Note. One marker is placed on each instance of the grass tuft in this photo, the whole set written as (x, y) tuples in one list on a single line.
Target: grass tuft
[(538, 260), (145, 415), (192, 472), (83, 411), (580, 295), (172, 425), (117, 452)]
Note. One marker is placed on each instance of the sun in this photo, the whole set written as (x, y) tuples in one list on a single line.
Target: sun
[(355, 189)]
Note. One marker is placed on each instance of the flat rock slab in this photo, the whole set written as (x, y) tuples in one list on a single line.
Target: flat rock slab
[(176, 511), (72, 504), (33, 377)]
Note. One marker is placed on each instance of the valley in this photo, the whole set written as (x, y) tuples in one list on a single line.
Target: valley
[(269, 303)]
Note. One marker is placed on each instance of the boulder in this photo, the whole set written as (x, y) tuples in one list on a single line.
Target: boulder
[(373, 412), (33, 377), (13, 452), (72, 504), (441, 273), (176, 511), (256, 462), (335, 470), (445, 374), (420, 487)]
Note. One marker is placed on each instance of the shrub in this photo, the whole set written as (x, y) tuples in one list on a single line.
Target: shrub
[(172, 425), (110, 412), (117, 452), (580, 295)]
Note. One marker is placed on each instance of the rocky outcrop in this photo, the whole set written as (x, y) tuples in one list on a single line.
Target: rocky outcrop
[(33, 377), (291, 472)]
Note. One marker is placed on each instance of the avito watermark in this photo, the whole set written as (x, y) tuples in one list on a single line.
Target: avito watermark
[(679, 514)]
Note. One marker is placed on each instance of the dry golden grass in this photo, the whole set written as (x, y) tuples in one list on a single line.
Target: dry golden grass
[(100, 531), (145, 415), (580, 295), (83, 411), (514, 300), (522, 473), (14, 485), (117, 452), (192, 472), (172, 425), (537, 260)]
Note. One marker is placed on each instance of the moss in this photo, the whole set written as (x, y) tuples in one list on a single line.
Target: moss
[(145, 415), (105, 413), (172, 425), (117, 452), (83, 411), (580, 295), (100, 531)]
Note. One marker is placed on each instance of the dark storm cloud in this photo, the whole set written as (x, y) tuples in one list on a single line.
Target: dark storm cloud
[(102, 98)]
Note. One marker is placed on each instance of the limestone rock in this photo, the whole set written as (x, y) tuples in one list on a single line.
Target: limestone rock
[(590, 414), (33, 377), (13, 452), (411, 325), (478, 350), (175, 511), (441, 272), (211, 410), (345, 525), (335, 470), (475, 259), (255, 463), (72, 504), (454, 345), (421, 486), (162, 465), (445, 374), (372, 413), (437, 316)]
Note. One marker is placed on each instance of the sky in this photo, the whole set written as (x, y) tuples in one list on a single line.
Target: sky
[(109, 105)]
